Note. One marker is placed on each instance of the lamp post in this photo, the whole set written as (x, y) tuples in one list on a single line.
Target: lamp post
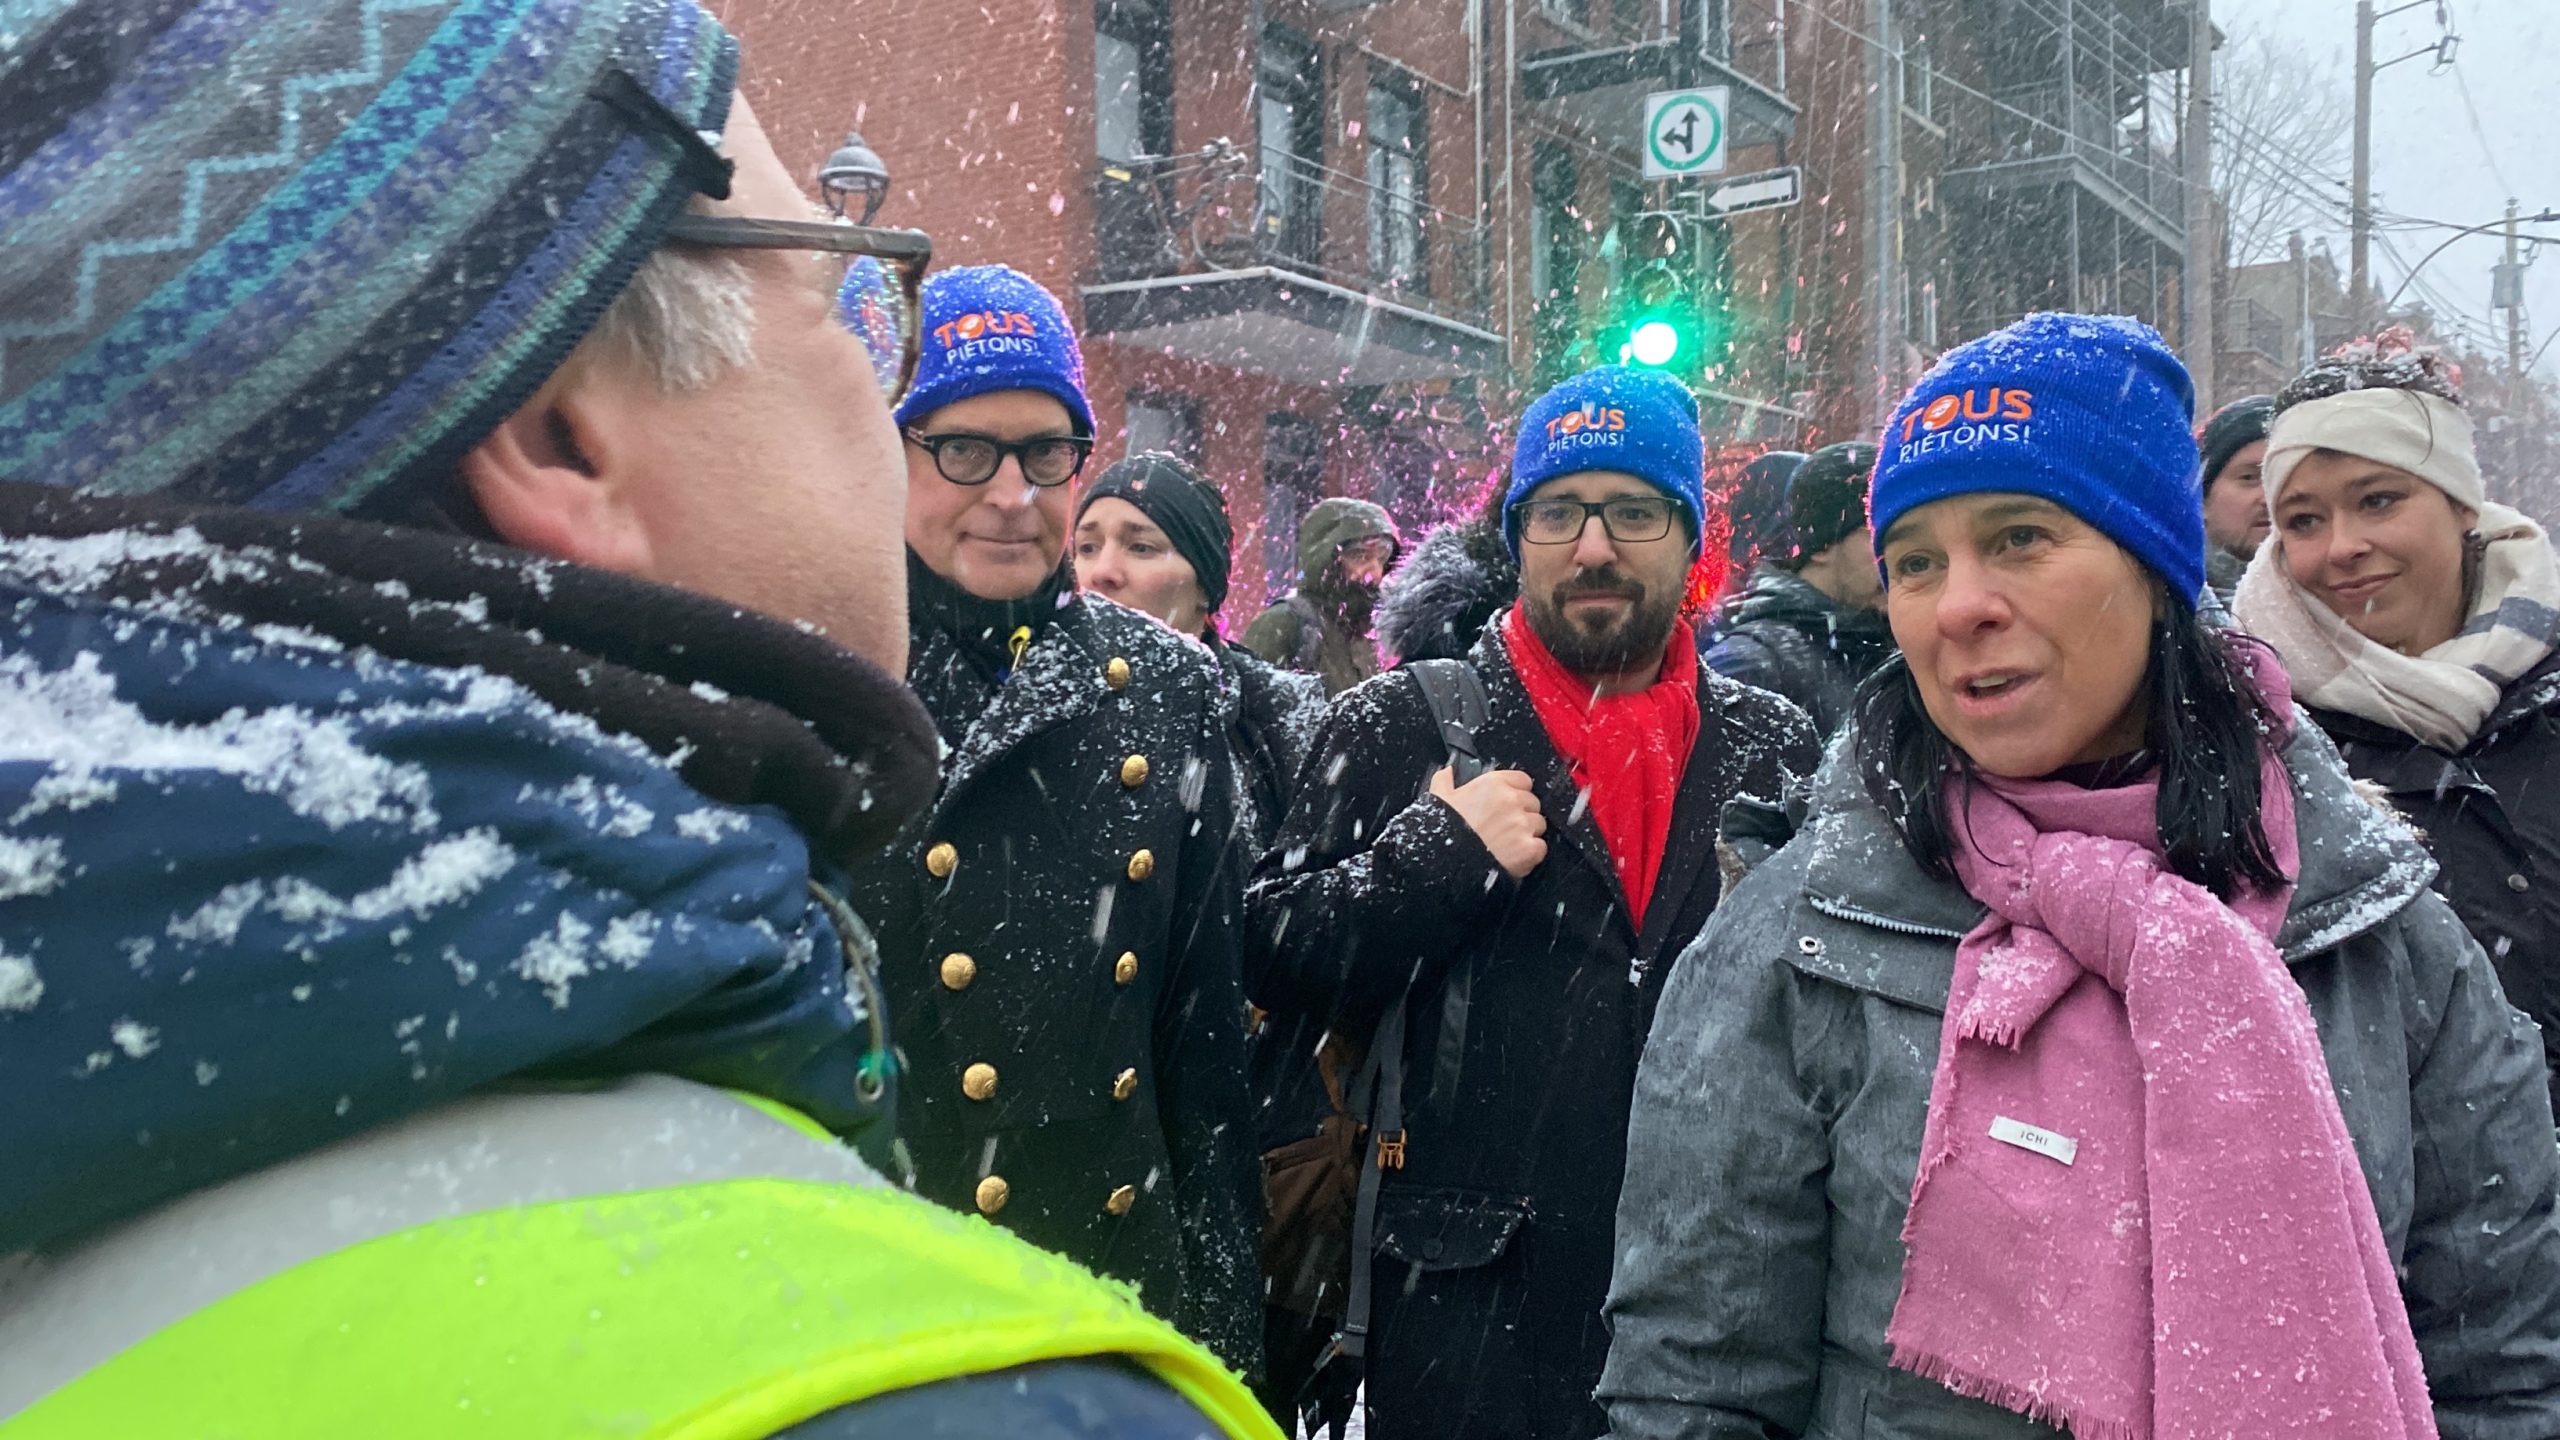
[(854, 171)]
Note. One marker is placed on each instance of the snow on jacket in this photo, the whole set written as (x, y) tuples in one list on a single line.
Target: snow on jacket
[(1495, 1236), (1782, 634), (1274, 717), (1779, 1114), (1059, 936), (311, 824), (2488, 817), (1437, 601)]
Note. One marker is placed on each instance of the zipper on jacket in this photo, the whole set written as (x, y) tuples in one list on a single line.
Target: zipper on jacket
[(1838, 911)]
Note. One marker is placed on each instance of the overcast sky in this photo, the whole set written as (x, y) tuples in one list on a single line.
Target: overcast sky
[(2426, 159)]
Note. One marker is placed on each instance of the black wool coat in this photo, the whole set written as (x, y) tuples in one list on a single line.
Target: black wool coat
[(1495, 1237), (1058, 938), (2491, 816)]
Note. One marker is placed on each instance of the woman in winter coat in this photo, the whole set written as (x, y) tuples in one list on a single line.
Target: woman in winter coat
[(1152, 533), (2419, 621), (2095, 1058)]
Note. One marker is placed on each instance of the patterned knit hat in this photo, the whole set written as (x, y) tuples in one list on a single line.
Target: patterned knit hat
[(286, 253)]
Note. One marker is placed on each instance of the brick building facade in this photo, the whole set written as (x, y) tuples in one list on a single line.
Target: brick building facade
[(1331, 246)]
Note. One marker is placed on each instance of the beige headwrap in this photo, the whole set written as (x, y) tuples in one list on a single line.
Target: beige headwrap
[(2443, 696)]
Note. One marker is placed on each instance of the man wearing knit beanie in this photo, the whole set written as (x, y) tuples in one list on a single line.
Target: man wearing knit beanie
[(450, 553), (1808, 624), (1537, 901), (2234, 448), (1075, 1066)]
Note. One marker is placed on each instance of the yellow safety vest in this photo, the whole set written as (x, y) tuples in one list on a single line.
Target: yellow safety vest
[(648, 1259)]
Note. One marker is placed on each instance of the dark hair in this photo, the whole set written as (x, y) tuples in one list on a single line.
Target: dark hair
[(2204, 710)]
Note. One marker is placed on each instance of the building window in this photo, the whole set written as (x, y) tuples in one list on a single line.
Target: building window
[(1162, 422), (1292, 480), (1290, 116), (1919, 82), (1132, 80), (1397, 184)]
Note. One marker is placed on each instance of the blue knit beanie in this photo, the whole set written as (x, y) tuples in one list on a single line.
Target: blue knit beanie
[(1617, 418), (2090, 412), (304, 254), (989, 328)]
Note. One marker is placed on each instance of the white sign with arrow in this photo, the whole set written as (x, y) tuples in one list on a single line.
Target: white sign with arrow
[(1684, 131), (1760, 190)]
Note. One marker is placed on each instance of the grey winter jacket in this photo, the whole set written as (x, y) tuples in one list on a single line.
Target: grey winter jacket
[(1779, 1109)]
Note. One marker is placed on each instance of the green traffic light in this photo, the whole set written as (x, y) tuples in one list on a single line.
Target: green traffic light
[(1654, 342)]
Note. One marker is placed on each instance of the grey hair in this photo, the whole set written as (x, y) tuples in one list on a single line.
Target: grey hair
[(686, 320)]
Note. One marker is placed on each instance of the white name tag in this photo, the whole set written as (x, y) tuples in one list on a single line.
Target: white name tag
[(2028, 1137)]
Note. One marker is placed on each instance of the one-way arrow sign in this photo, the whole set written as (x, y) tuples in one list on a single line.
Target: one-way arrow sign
[(1764, 190)]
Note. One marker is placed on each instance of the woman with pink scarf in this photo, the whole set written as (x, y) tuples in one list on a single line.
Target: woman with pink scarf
[(2094, 1060)]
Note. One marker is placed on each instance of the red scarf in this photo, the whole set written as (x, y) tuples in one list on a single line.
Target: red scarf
[(1627, 752)]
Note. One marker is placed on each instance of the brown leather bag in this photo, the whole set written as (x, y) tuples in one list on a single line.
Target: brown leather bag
[(1308, 1188)]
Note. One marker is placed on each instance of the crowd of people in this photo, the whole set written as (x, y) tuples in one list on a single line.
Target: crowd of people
[(607, 832)]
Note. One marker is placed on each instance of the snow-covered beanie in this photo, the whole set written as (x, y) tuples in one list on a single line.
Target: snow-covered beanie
[(1184, 505), (2426, 435), (303, 255), (2233, 428), (1616, 418), (1828, 501), (989, 328), (2090, 412)]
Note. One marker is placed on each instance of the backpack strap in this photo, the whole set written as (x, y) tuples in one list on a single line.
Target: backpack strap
[(1455, 693)]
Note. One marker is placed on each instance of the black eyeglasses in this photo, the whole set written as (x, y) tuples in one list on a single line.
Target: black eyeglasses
[(1629, 519), (964, 459), (873, 276)]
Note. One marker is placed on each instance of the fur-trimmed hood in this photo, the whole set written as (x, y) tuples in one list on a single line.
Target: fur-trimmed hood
[(1441, 596)]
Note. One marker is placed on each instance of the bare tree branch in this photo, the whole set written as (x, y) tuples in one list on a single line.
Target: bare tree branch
[(2282, 124)]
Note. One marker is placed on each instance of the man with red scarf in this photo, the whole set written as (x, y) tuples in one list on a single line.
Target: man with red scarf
[(1530, 914)]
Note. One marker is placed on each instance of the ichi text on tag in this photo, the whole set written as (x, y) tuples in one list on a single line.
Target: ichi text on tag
[(2028, 1137)]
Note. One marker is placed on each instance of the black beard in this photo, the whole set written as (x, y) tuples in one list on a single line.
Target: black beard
[(1614, 647)]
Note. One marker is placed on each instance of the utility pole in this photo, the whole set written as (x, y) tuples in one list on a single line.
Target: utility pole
[(2360, 204), (1884, 129), (2204, 256), (2508, 288)]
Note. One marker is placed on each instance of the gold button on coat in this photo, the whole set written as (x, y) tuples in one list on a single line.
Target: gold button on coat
[(1142, 863), (941, 860), (1121, 1199), (1124, 1085), (957, 971), (978, 1082), (1133, 771), (1116, 673), (992, 1193), (1125, 969)]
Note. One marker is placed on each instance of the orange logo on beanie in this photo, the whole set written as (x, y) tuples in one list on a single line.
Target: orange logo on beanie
[(1997, 403), (979, 323)]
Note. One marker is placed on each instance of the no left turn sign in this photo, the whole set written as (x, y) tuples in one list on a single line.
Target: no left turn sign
[(1684, 132)]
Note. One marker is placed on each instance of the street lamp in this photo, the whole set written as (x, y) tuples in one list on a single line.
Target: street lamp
[(855, 169), (2545, 218)]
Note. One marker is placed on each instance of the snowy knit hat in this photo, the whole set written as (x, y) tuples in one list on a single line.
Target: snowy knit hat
[(2090, 412), (1619, 418), (989, 328), (293, 254)]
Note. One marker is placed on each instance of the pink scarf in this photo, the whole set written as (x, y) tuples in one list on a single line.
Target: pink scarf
[(2138, 1212)]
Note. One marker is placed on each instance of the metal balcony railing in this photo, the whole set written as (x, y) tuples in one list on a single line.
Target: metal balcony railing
[(2030, 123), (1222, 208)]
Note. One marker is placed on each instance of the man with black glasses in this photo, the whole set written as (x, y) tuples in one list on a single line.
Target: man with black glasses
[(1060, 929), (1526, 918)]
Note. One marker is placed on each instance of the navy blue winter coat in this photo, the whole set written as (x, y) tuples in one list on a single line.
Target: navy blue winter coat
[(263, 884)]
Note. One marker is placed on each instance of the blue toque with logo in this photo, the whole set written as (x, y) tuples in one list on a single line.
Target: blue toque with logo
[(2090, 412), (1617, 418), (989, 328)]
